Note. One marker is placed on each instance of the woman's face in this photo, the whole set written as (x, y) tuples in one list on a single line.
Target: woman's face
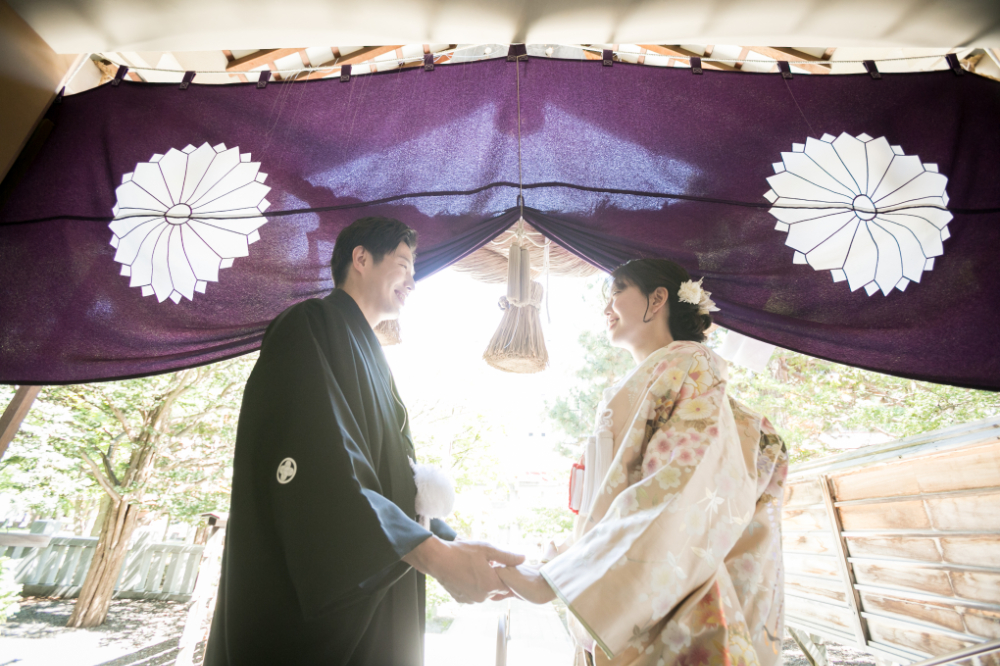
[(625, 311)]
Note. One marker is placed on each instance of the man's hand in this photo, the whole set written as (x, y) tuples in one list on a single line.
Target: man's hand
[(525, 582), (464, 568)]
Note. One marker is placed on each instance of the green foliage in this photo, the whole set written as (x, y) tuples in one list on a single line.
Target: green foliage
[(462, 444), (10, 592), (185, 422), (437, 598), (546, 522), (600, 367), (810, 400)]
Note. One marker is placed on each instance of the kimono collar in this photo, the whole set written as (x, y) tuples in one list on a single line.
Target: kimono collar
[(352, 311)]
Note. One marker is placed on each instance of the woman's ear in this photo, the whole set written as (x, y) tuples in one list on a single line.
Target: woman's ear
[(658, 300)]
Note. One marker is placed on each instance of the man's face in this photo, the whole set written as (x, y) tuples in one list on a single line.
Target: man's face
[(389, 282)]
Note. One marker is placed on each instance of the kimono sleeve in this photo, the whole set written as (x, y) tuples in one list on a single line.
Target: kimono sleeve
[(682, 499), (336, 528)]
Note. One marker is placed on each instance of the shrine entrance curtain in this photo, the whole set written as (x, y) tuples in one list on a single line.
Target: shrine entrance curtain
[(845, 217)]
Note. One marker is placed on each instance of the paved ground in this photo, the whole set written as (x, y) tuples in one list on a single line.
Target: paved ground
[(145, 633), (839, 655), (136, 632)]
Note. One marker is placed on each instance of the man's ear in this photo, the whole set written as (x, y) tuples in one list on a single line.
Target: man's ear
[(658, 299), (360, 257)]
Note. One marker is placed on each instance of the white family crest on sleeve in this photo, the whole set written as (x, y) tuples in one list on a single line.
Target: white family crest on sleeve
[(286, 470), (182, 217), (861, 209)]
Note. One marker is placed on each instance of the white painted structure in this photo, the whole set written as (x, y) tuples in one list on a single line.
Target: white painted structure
[(162, 571)]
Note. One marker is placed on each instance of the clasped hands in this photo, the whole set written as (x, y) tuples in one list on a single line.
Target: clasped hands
[(474, 571)]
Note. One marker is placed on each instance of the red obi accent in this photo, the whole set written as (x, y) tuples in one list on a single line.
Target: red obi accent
[(576, 487)]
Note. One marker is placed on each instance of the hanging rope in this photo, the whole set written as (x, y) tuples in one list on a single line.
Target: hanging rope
[(518, 344)]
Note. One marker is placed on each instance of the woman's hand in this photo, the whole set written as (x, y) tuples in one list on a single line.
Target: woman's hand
[(527, 583)]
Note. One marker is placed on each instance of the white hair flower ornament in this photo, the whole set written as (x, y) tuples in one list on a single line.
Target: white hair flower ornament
[(691, 292)]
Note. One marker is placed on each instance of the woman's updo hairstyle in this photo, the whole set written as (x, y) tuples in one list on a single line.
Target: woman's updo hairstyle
[(685, 322)]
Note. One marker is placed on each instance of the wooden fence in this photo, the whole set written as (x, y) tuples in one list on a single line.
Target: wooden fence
[(163, 571), (896, 548)]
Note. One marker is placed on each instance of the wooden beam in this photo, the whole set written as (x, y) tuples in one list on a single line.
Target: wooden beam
[(786, 54), (356, 58), (18, 408), (677, 51), (744, 52), (258, 58), (846, 570), (829, 53)]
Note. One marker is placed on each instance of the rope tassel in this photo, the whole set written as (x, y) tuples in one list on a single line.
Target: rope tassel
[(519, 344)]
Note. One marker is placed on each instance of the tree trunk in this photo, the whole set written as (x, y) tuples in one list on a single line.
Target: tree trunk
[(91, 608), (102, 514)]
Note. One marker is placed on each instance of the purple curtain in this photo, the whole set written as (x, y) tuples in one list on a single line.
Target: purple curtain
[(120, 250)]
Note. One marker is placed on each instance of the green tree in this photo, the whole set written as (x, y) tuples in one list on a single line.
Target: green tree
[(546, 522), (601, 366), (461, 443), (809, 400), (160, 444)]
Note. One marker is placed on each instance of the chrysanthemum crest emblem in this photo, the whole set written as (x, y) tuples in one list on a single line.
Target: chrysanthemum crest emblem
[(862, 209), (183, 216)]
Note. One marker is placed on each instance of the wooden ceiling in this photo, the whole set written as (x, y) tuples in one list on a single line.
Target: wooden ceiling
[(303, 64)]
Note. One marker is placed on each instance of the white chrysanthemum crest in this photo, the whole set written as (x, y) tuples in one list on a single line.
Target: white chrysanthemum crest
[(183, 216), (862, 209)]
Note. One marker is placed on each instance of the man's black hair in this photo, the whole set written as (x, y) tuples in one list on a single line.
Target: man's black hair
[(379, 235)]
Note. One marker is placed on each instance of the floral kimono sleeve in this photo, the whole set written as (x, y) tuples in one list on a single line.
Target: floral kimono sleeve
[(682, 495)]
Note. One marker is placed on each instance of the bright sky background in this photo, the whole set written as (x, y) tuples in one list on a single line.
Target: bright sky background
[(446, 325)]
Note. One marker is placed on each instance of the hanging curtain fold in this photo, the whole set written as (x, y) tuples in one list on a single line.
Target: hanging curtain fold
[(843, 217)]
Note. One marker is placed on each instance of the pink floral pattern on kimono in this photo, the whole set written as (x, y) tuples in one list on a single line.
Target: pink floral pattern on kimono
[(677, 560)]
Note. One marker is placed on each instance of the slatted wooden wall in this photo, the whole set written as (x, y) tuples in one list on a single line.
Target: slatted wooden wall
[(896, 548)]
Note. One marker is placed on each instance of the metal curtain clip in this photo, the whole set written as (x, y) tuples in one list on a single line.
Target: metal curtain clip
[(955, 65), (516, 52), (872, 69)]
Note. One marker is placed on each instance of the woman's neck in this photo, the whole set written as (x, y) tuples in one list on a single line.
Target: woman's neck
[(642, 350)]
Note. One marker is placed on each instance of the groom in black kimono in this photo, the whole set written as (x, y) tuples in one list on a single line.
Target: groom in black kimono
[(324, 560)]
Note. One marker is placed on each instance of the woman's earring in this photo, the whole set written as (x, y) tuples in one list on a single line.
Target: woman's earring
[(644, 320)]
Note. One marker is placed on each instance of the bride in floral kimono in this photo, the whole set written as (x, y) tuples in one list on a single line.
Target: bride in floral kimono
[(676, 552)]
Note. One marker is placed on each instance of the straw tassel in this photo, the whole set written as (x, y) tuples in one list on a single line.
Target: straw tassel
[(519, 345)]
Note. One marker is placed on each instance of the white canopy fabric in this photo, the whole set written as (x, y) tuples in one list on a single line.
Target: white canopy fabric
[(90, 26)]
